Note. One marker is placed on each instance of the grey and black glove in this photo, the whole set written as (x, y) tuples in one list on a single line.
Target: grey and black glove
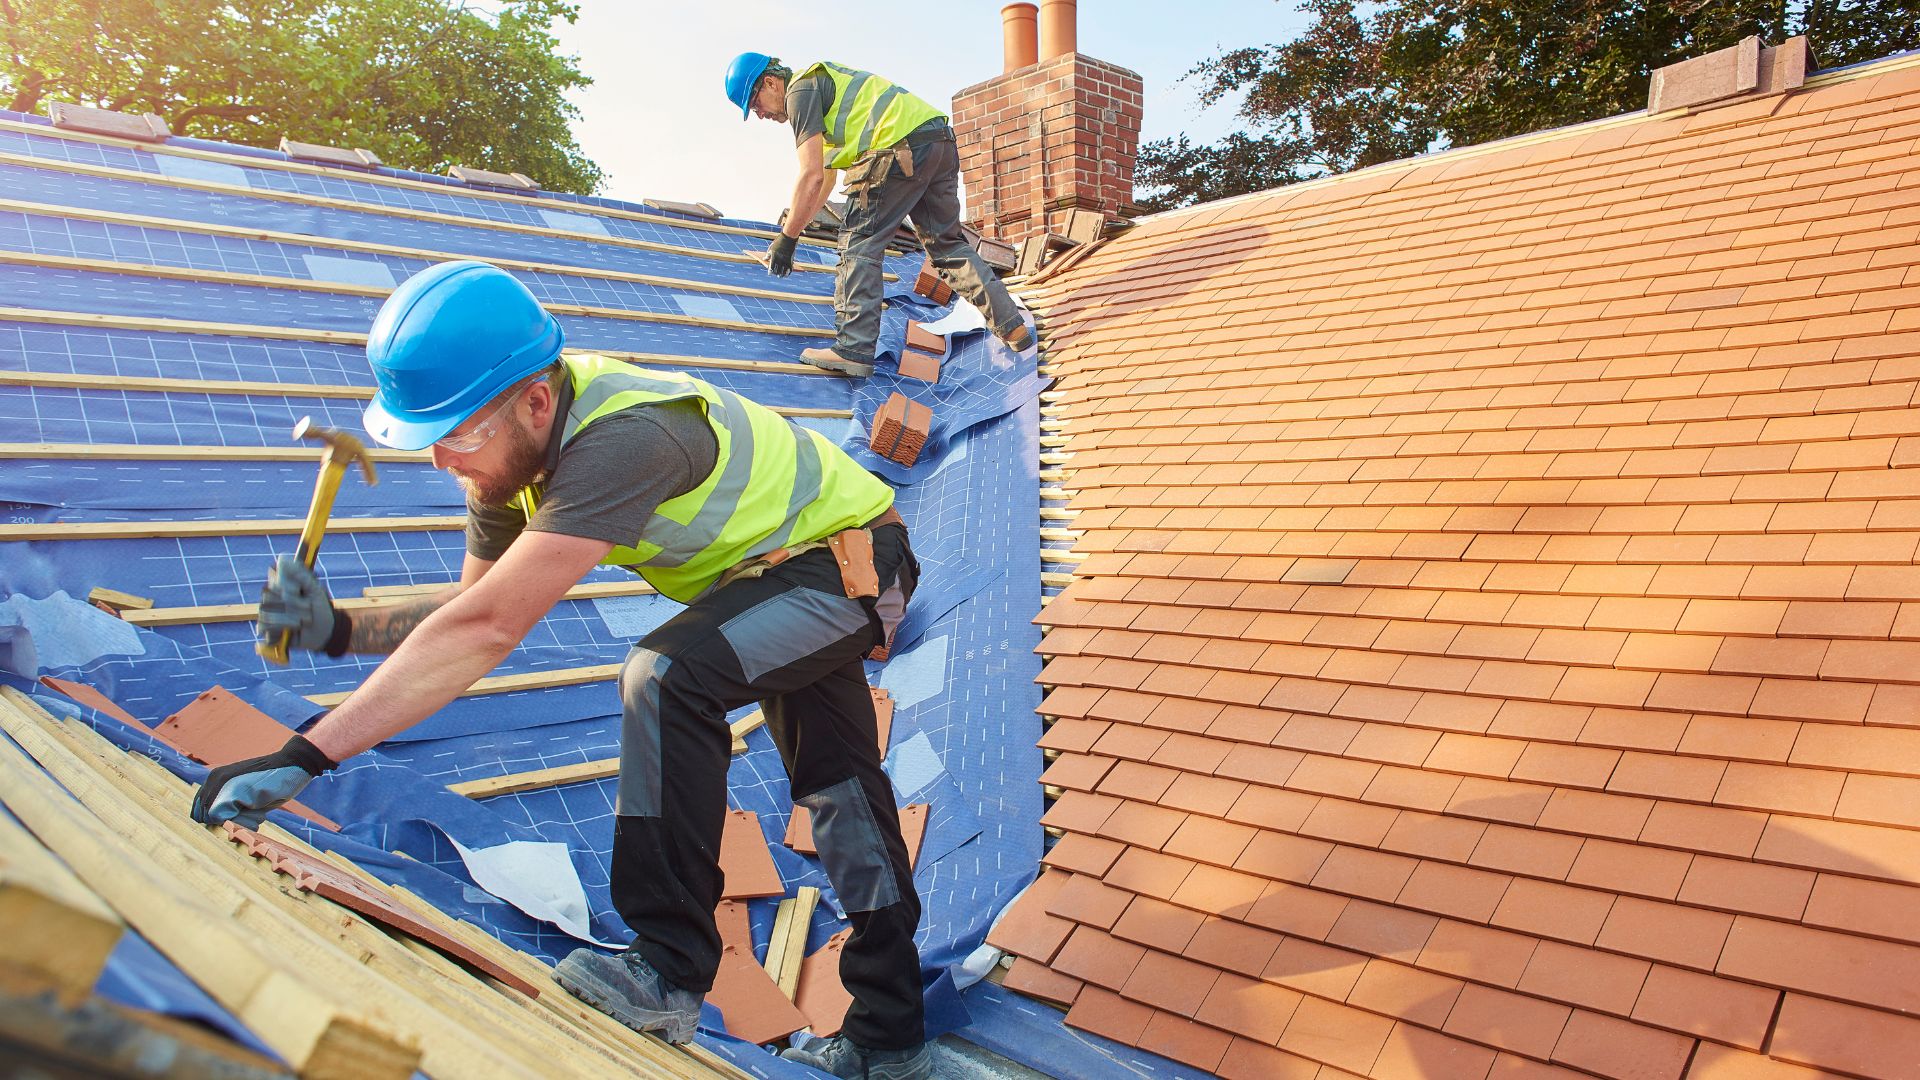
[(295, 602), (244, 791), (780, 255)]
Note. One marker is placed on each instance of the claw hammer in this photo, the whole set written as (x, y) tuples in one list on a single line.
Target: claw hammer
[(342, 450)]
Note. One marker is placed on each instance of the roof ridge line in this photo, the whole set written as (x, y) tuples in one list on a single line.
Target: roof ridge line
[(1897, 62)]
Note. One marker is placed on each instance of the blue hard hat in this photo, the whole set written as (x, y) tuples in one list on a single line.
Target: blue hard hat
[(743, 75), (446, 342)]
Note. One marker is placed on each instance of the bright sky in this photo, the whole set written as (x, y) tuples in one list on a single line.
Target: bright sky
[(658, 122)]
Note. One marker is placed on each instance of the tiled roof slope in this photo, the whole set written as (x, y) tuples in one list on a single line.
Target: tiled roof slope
[(1498, 647)]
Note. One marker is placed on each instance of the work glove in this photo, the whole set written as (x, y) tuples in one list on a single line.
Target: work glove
[(244, 791), (780, 255), (294, 601)]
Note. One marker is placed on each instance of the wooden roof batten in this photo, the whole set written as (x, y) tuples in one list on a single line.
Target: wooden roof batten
[(1386, 735)]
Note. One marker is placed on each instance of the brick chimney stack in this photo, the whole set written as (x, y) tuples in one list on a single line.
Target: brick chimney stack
[(1056, 131)]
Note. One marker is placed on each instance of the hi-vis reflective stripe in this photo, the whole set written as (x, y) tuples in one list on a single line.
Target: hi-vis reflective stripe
[(881, 112), (873, 119), (774, 482), (679, 543), (844, 100)]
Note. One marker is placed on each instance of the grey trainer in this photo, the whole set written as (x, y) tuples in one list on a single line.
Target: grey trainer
[(841, 1057), (830, 359), (627, 988)]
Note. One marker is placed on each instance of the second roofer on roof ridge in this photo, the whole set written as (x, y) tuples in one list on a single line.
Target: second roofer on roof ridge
[(900, 162), (793, 565)]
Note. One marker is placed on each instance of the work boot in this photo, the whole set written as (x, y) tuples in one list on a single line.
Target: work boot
[(841, 1057), (831, 360), (1017, 337), (627, 988)]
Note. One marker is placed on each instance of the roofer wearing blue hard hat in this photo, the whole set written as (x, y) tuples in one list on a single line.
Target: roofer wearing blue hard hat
[(789, 556), (898, 162)]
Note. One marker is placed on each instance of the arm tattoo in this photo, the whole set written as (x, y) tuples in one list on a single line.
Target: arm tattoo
[(382, 629)]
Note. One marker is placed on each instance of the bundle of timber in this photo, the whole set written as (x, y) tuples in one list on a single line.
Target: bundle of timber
[(313, 967)]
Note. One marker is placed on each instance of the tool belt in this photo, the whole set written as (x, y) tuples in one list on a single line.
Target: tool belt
[(865, 176), (852, 549)]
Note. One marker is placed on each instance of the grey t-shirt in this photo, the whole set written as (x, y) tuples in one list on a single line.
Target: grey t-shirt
[(607, 482), (808, 100)]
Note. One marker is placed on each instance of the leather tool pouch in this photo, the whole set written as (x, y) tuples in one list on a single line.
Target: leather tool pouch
[(903, 156), (853, 550), (865, 175)]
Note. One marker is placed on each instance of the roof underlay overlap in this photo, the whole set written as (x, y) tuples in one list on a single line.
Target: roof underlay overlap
[(1497, 651)]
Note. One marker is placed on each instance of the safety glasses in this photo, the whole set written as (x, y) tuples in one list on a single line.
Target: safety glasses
[(467, 442)]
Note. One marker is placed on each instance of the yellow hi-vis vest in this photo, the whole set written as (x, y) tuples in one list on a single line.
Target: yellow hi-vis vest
[(774, 483), (868, 112)]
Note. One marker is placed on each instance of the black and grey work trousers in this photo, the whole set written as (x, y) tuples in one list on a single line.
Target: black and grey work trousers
[(931, 198), (792, 641)]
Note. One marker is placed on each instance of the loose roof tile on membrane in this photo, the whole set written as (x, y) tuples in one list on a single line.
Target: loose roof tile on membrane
[(1497, 645)]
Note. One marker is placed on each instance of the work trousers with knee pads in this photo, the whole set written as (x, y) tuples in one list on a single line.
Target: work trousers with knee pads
[(791, 640), (887, 199)]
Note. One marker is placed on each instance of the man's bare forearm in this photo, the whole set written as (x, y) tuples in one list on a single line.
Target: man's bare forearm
[(381, 629), (810, 193)]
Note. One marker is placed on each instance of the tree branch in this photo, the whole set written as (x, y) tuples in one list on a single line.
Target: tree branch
[(27, 98), (247, 113)]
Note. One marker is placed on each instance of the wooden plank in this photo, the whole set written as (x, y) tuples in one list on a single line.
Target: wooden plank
[(204, 228), (431, 995), (118, 600), (536, 779), (274, 389), (251, 161), (345, 337), (183, 386), (116, 856), (788, 946), (293, 284), (565, 1008), (223, 613), (146, 452), (469, 1029), (502, 684), (179, 326), (59, 933), (374, 209), (311, 873), (778, 940), (592, 590), (577, 773), (140, 530)]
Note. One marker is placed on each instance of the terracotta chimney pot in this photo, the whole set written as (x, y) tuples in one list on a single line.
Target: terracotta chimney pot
[(1019, 33), (1057, 30)]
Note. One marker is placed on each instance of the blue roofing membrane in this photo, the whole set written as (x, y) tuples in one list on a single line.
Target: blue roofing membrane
[(82, 225)]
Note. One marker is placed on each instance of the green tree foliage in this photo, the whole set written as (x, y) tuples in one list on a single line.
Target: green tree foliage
[(1374, 82), (423, 83)]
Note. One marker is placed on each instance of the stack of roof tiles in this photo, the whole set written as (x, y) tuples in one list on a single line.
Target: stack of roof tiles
[(1498, 650)]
